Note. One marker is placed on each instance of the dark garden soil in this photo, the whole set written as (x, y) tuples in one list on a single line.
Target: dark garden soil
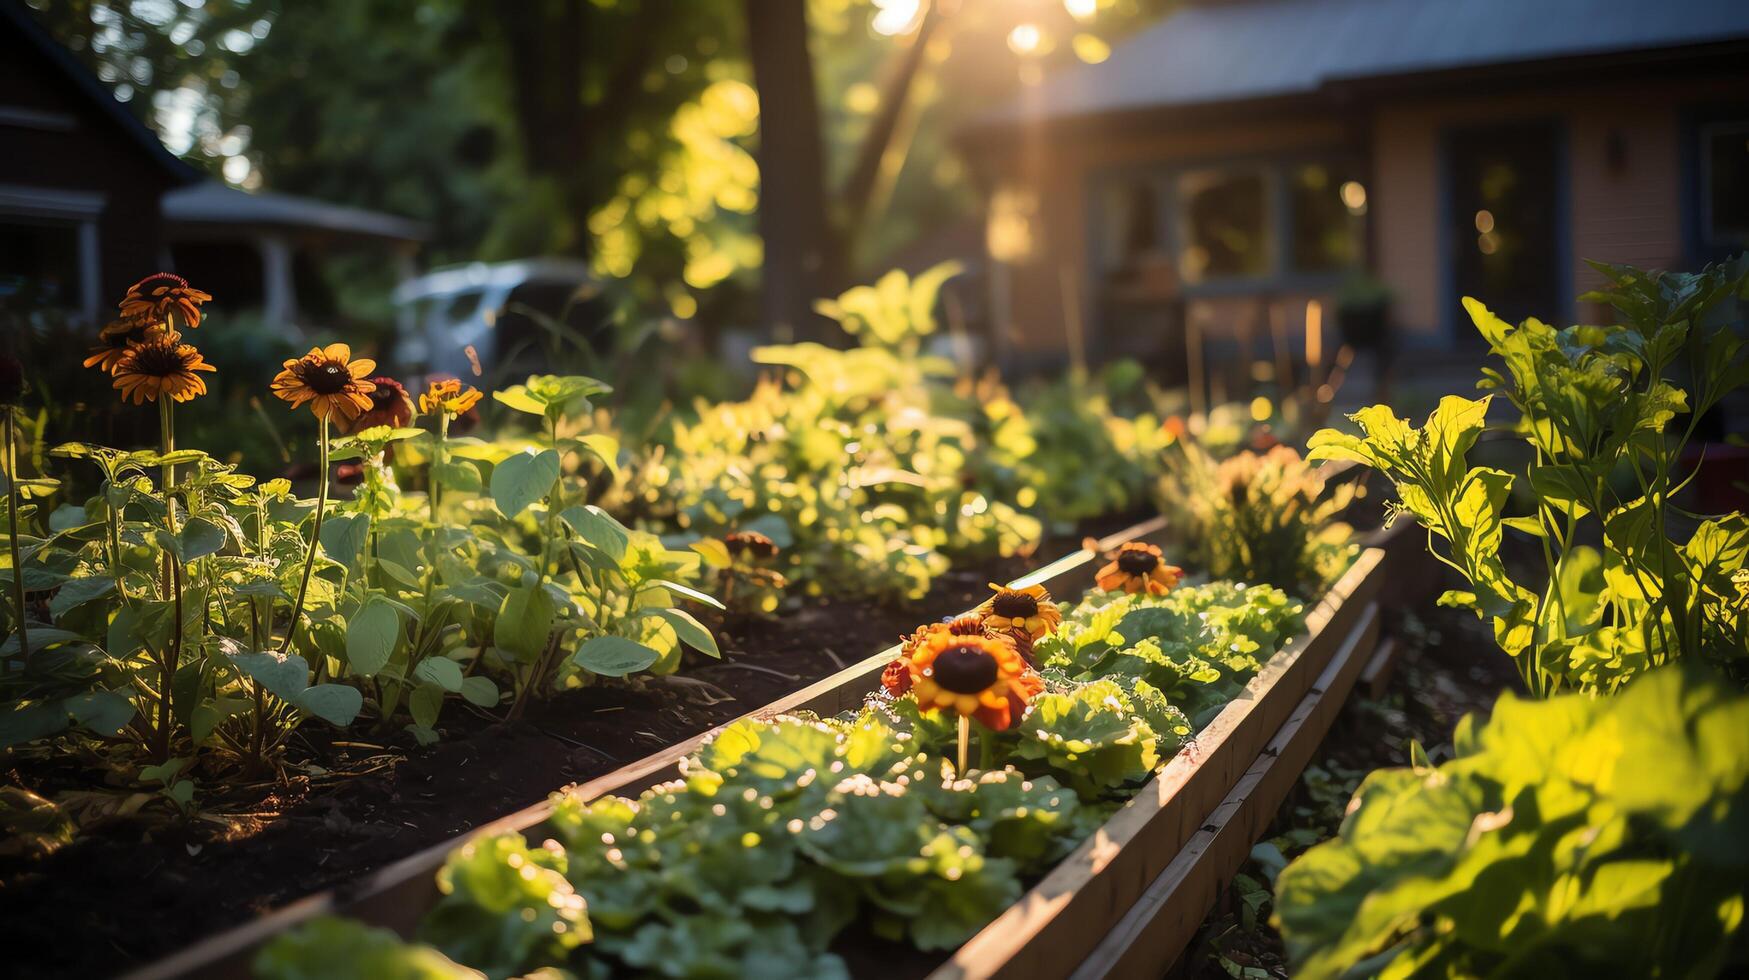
[(1449, 667), (128, 891)]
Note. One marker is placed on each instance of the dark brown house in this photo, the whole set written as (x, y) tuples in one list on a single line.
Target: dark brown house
[(1219, 180), (91, 201)]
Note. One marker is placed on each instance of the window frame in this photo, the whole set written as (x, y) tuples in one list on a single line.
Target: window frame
[(1171, 223), (79, 209)]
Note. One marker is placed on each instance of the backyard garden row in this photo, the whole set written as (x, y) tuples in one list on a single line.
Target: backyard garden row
[(1029, 789)]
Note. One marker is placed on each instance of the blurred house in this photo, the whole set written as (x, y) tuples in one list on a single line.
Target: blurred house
[(1187, 197), (91, 201)]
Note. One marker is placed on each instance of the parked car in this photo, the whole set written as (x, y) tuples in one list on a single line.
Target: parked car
[(507, 312)]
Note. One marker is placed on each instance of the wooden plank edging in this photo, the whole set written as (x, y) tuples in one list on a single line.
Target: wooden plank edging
[(1060, 921), (1163, 921), (396, 896)]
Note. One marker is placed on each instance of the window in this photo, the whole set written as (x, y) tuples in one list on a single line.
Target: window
[(1131, 224), (1327, 204), (1288, 223), (1725, 177), (1226, 226), (39, 262)]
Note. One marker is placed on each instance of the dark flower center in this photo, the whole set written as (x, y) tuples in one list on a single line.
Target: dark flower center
[(1015, 605), (325, 377), (964, 669), (159, 360), (1137, 562)]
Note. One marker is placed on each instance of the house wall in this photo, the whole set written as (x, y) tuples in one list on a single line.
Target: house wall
[(54, 140), (1625, 208), (1043, 296)]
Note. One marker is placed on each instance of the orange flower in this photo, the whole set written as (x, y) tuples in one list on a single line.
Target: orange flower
[(160, 296), (330, 380), (160, 365), (1029, 610), (118, 334), (107, 356), (449, 396), (1138, 567), (977, 676)]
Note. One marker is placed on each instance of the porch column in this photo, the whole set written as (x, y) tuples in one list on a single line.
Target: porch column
[(279, 301)]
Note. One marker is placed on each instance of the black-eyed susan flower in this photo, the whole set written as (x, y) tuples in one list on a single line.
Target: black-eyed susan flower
[(1137, 567), (333, 383), (114, 338), (161, 365), (978, 677), (749, 543), (389, 405), (161, 296), (1028, 611), (448, 395)]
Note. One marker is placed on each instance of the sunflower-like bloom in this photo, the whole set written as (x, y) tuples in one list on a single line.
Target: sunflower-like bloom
[(162, 295), (115, 337), (389, 405), (1029, 610), (334, 384), (977, 676), (750, 542), (1138, 567), (160, 365), (449, 396)]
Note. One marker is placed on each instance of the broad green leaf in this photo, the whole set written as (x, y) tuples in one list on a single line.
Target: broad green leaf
[(481, 691), (371, 636), (336, 704), (457, 475), (599, 528), (525, 621), (691, 632), (442, 671), (523, 479), (286, 676), (343, 538), (614, 656), (425, 704)]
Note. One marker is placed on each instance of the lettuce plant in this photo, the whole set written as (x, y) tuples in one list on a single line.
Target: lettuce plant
[(1600, 414), (1577, 834)]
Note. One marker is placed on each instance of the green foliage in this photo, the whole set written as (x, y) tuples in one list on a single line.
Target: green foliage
[(1257, 517), (872, 469), (780, 833), (340, 949), (1576, 834), (1597, 408), (1196, 646), (169, 608)]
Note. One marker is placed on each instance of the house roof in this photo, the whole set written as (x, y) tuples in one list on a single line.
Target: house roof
[(1243, 50), (83, 82), (201, 200), (211, 203)]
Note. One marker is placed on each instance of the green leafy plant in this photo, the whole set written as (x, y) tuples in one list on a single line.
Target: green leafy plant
[(1601, 416), (1576, 833), (1257, 517)]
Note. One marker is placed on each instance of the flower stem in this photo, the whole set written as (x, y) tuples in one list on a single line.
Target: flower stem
[(291, 631), (965, 742), (12, 533)]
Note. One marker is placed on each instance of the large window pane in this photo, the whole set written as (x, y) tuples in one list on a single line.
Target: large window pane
[(39, 262), (1226, 231), (1130, 227), (1726, 149), (1327, 203)]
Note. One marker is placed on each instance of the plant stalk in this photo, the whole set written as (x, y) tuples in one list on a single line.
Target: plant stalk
[(291, 630), (12, 534)]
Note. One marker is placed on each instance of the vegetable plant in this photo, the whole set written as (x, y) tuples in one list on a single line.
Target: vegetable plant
[(1605, 423), (1575, 834)]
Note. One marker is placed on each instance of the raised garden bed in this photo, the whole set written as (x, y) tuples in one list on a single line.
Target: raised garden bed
[(1055, 926)]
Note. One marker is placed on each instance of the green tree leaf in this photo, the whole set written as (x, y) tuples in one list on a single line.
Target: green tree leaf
[(523, 479)]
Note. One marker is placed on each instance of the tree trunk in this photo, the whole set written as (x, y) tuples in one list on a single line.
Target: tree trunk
[(800, 258)]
